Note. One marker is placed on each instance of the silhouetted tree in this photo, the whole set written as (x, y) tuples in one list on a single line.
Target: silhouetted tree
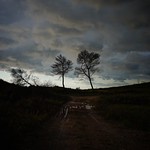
[(88, 62), (20, 76), (47, 84), (61, 67)]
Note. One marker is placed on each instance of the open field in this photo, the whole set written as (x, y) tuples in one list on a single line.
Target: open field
[(23, 111), (127, 105), (31, 115)]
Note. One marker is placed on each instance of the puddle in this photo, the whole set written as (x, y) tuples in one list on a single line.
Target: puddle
[(80, 105), (88, 106)]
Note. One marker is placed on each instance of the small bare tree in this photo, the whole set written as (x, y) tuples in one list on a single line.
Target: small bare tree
[(20, 76), (88, 64), (61, 67)]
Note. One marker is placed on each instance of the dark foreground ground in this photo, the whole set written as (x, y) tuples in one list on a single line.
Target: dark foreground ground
[(54, 118), (79, 127)]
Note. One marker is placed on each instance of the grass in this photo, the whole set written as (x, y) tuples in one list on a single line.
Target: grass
[(24, 110), (136, 117), (129, 106)]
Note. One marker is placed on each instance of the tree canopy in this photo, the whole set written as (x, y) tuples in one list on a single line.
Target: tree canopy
[(87, 64), (62, 66)]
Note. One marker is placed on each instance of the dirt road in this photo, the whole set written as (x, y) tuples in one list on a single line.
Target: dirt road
[(79, 127)]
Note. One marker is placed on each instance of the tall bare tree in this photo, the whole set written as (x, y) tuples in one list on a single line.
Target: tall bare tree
[(20, 76), (88, 63), (61, 67)]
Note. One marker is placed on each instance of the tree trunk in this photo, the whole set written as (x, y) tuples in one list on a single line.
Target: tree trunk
[(26, 81), (89, 76), (63, 81), (91, 83)]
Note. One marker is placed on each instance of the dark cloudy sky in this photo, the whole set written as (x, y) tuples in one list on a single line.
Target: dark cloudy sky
[(33, 32)]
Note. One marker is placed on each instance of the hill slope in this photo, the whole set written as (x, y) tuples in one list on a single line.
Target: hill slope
[(24, 110)]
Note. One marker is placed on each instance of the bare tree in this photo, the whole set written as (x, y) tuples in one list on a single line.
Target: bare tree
[(61, 67), (88, 63), (20, 76), (35, 80), (47, 84)]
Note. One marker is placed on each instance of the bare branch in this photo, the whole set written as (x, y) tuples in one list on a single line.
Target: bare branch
[(20, 76)]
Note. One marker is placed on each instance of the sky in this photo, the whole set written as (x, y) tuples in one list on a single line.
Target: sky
[(34, 32)]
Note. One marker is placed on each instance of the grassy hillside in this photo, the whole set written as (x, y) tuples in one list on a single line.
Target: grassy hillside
[(23, 111), (128, 105)]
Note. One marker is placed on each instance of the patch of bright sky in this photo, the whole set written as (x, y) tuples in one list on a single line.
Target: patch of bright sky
[(75, 82), (69, 82), (54, 80), (4, 75)]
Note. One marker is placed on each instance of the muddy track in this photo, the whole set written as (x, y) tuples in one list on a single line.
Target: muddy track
[(79, 127)]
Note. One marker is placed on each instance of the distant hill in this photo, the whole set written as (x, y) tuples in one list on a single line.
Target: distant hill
[(24, 109), (6, 87), (4, 83)]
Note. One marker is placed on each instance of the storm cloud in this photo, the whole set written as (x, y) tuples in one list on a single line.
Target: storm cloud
[(33, 32)]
